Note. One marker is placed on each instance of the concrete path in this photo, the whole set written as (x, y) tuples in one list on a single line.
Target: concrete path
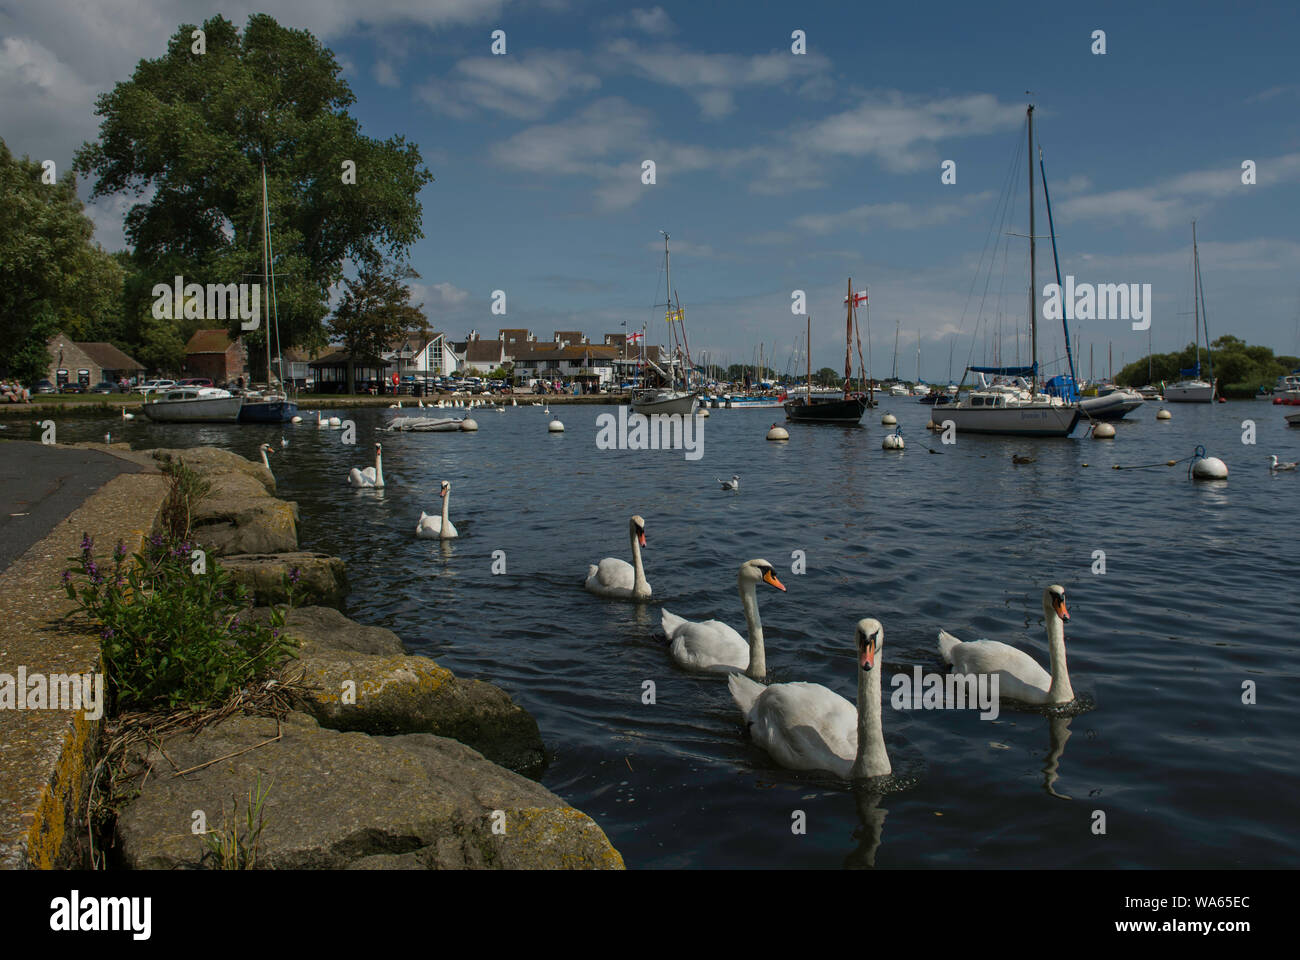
[(41, 485)]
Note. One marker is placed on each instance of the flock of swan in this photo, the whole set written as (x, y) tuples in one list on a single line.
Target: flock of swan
[(806, 726), (802, 726)]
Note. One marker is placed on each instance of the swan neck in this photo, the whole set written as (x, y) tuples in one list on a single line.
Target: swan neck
[(640, 587), (379, 469), (872, 759), (754, 628), (1060, 690)]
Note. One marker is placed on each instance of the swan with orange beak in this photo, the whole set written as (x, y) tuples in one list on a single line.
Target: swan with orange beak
[(714, 647), (1019, 676)]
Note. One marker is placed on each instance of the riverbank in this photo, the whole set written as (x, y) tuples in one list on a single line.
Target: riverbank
[(384, 760)]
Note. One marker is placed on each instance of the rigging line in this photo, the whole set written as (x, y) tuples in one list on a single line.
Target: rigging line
[(1006, 206)]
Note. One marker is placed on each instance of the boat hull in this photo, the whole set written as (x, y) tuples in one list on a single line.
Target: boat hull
[(268, 411), (1193, 392), (1029, 420), (843, 410), (677, 403), (1113, 406), (203, 410)]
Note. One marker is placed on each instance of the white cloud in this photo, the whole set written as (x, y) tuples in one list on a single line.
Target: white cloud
[(523, 87), (896, 215), (901, 131), (438, 294), (712, 79), (385, 75), (1182, 197), (653, 21)]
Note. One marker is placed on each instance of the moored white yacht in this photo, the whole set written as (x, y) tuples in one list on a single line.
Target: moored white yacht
[(194, 405)]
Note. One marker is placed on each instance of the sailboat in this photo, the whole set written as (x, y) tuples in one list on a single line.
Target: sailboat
[(667, 400), (848, 408), (269, 406), (1191, 388), (1013, 405)]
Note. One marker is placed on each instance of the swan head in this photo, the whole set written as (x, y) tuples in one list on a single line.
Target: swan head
[(1054, 602), (756, 571), (870, 639), (379, 448), (266, 448), (444, 488), (638, 529)]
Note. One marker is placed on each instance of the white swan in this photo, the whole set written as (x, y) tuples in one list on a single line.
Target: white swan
[(1019, 675), (712, 646), (618, 578), (437, 528), (1275, 465), (371, 476), (131, 416), (266, 449), (335, 422), (805, 726), (284, 442), (732, 484), (321, 421)]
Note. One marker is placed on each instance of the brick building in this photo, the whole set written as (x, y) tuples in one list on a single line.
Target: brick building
[(212, 354), (88, 363)]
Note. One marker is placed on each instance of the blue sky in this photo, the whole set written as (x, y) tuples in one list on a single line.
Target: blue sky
[(777, 171)]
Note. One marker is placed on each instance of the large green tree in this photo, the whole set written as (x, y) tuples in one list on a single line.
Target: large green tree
[(375, 312), (52, 275), (188, 135)]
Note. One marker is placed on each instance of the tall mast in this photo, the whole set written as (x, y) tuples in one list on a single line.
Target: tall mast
[(848, 338), (266, 278), (1033, 268), (898, 325), (809, 359), (1196, 301)]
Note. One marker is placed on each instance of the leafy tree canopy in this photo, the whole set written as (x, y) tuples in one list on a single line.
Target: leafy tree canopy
[(187, 135), (52, 276), (375, 311)]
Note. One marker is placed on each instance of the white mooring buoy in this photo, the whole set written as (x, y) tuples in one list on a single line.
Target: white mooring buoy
[(1163, 414), (469, 425), (893, 441), (555, 426), (1103, 431), (778, 433), (889, 420)]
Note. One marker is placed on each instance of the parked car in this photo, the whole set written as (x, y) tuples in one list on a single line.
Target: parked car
[(195, 382), (44, 386), (104, 387), (154, 386), (72, 388)]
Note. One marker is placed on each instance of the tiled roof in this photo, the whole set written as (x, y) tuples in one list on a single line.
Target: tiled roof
[(208, 341), (109, 357)]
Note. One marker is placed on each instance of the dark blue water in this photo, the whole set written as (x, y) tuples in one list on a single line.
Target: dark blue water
[(1197, 598)]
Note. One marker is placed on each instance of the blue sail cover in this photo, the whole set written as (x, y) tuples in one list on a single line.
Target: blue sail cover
[(1194, 372), (1007, 371), (1062, 386)]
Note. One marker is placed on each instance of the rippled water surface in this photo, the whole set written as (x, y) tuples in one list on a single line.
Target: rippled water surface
[(1198, 597)]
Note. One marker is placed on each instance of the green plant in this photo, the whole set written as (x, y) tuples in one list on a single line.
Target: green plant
[(173, 637), (230, 850), (187, 488)]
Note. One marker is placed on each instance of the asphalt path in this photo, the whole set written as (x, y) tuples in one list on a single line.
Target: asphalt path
[(40, 485)]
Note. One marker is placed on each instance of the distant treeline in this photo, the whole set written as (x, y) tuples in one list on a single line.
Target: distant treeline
[(1240, 368)]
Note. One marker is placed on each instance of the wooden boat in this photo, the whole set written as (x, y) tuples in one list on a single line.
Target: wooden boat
[(844, 409)]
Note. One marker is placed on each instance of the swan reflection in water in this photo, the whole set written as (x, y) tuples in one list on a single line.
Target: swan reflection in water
[(871, 824), (1059, 730)]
